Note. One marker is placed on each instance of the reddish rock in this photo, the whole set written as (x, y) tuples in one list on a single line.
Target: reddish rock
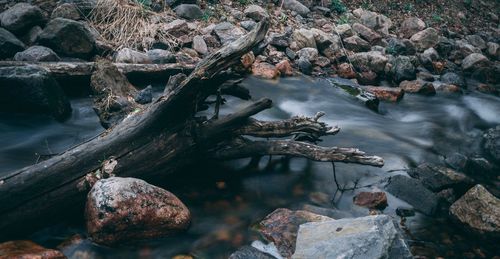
[(126, 209), (372, 200), (367, 78), (449, 88), (345, 70), (438, 66), (281, 226), (25, 249), (265, 70), (248, 59), (390, 94), (418, 86), (285, 68), (485, 88)]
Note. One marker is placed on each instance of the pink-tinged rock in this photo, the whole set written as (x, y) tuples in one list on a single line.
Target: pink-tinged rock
[(449, 88), (248, 59), (25, 249), (372, 200), (345, 70), (281, 226), (419, 87), (390, 94), (285, 68), (126, 209), (265, 70)]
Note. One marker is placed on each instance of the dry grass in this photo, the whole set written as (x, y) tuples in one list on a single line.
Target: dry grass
[(127, 24)]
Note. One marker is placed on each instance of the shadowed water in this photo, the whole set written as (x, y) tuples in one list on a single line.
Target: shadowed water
[(227, 199)]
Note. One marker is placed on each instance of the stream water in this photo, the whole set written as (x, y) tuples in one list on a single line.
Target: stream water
[(227, 199)]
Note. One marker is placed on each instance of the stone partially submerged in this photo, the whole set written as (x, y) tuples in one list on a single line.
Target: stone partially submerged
[(366, 237)]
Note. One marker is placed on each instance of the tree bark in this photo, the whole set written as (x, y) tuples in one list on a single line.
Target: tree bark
[(159, 140)]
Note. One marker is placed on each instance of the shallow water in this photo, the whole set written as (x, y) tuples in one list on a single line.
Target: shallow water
[(227, 199)]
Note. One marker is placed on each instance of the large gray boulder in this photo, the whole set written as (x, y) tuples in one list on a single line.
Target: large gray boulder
[(373, 60), (366, 237), (9, 44), (413, 192), (37, 53), (296, 6), (127, 55), (403, 69), (21, 17), (425, 39), (304, 38), (228, 32), (475, 61), (453, 79), (120, 209), (68, 38), (375, 21), (410, 26), (188, 11), (479, 211), (32, 89)]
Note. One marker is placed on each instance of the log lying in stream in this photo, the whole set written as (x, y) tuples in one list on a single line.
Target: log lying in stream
[(161, 139)]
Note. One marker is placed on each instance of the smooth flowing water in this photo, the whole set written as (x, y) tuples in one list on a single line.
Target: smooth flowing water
[(227, 199)]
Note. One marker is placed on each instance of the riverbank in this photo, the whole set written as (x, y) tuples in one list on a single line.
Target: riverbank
[(378, 59)]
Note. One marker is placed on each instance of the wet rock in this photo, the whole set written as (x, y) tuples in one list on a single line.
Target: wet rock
[(389, 94), (160, 56), (413, 192), (126, 209), (476, 41), (479, 211), (304, 38), (68, 38), (418, 86), (366, 237), (344, 30), (425, 76), (305, 66), (21, 17), (410, 26), (281, 227), (492, 143), (255, 12), (145, 95), (437, 178), (425, 39), (475, 61), (25, 249), (67, 11), (265, 70), (127, 55), (248, 252), (453, 78), (188, 11), (199, 45), (367, 77), (372, 200), (227, 32), (311, 54), (285, 68), (373, 60), (9, 44), (366, 33), (449, 88), (37, 53), (356, 44), (400, 47), (345, 70), (402, 69), (248, 25), (405, 212), (32, 89), (296, 6)]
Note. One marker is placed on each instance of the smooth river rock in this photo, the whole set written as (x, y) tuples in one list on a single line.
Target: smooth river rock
[(25, 249), (128, 209), (366, 237), (413, 192)]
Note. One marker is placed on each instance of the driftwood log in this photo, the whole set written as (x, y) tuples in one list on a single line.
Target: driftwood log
[(160, 139)]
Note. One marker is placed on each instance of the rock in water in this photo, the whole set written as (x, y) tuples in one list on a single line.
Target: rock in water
[(280, 227), (127, 209), (25, 249), (9, 44), (21, 17), (479, 210), (438, 178), (68, 38), (492, 143), (32, 89), (372, 200), (37, 53), (413, 192), (366, 237), (248, 252)]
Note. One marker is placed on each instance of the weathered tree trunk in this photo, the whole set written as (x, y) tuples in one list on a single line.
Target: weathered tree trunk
[(160, 139)]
